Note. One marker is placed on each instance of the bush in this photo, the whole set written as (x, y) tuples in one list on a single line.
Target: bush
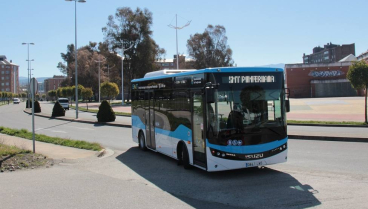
[(30, 104), (58, 110), (37, 107), (105, 112)]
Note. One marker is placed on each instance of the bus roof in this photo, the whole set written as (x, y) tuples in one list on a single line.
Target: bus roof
[(209, 70)]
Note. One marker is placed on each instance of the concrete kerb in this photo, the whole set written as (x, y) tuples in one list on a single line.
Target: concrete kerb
[(303, 137), (79, 120)]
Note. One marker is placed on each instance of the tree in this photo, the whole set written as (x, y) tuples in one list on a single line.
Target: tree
[(87, 93), (131, 30), (52, 94), (80, 88), (68, 57), (358, 77), (210, 49), (109, 90)]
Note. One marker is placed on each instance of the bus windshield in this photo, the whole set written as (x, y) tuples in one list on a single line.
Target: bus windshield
[(246, 113)]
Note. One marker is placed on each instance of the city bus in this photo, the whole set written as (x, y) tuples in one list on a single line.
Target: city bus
[(214, 119)]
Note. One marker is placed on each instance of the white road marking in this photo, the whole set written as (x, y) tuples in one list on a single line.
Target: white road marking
[(59, 131), (91, 129)]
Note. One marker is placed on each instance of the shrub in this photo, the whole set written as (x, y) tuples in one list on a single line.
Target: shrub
[(58, 110), (37, 107), (30, 104), (105, 112)]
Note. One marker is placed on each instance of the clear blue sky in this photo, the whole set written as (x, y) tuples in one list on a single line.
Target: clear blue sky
[(259, 32)]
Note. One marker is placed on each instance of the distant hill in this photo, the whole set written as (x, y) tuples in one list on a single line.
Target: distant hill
[(280, 65), (23, 80)]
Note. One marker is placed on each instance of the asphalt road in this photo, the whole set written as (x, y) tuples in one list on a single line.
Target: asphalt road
[(318, 174), (118, 138)]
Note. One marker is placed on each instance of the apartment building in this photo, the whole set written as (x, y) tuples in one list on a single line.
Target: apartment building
[(53, 83), (9, 75)]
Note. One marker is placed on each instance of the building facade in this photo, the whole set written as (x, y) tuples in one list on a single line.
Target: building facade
[(9, 75), (363, 56), (330, 53), (53, 83), (319, 80)]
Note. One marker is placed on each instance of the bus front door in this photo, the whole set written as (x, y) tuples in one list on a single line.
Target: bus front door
[(150, 121), (199, 144)]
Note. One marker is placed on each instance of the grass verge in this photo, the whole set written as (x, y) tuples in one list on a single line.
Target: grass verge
[(23, 133), (11, 150), (328, 122)]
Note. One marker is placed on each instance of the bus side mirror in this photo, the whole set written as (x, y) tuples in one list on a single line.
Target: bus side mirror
[(287, 105), (210, 95)]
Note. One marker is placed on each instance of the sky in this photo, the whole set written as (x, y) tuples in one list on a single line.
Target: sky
[(259, 32)]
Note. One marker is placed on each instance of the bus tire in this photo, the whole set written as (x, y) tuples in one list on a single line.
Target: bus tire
[(185, 157), (142, 142)]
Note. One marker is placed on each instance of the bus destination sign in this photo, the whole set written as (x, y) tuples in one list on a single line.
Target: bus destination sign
[(252, 79)]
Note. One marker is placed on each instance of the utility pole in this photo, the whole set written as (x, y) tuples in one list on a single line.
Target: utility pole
[(176, 29)]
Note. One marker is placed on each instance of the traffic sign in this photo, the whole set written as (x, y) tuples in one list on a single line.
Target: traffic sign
[(35, 84)]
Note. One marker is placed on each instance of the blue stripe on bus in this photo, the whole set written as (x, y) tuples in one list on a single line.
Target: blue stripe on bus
[(137, 122), (249, 148), (181, 133)]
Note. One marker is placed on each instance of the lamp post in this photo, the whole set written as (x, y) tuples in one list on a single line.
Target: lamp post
[(122, 72), (176, 29), (99, 78), (28, 70), (76, 58)]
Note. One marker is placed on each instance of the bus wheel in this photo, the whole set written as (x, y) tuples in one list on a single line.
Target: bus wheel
[(142, 142), (185, 157)]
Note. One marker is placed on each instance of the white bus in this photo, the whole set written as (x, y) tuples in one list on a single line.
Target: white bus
[(214, 119)]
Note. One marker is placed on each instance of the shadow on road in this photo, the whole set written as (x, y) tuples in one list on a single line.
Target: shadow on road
[(61, 124), (250, 188)]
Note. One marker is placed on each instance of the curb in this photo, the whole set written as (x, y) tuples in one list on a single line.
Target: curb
[(328, 125), (329, 138), (101, 153), (80, 121)]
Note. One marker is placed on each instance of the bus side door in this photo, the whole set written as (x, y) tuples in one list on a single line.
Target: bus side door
[(199, 144), (150, 120)]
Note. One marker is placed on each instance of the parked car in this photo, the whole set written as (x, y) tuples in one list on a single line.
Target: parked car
[(64, 102), (16, 101)]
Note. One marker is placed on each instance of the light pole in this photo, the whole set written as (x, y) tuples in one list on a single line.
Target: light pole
[(108, 71), (176, 29), (122, 72), (28, 70), (76, 58), (99, 77)]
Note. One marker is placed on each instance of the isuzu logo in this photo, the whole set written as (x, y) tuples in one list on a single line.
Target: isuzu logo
[(254, 156)]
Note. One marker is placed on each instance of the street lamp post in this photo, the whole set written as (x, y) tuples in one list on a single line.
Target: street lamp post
[(76, 58), (28, 70), (99, 78), (122, 72)]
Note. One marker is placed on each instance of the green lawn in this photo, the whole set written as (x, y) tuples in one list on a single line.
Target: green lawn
[(23, 133)]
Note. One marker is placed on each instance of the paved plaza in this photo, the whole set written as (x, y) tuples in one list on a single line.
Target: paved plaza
[(327, 109)]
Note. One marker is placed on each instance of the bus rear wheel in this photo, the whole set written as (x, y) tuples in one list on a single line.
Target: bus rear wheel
[(142, 142), (185, 157)]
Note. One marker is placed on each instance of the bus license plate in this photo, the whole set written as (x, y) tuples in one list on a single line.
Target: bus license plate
[(253, 164)]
